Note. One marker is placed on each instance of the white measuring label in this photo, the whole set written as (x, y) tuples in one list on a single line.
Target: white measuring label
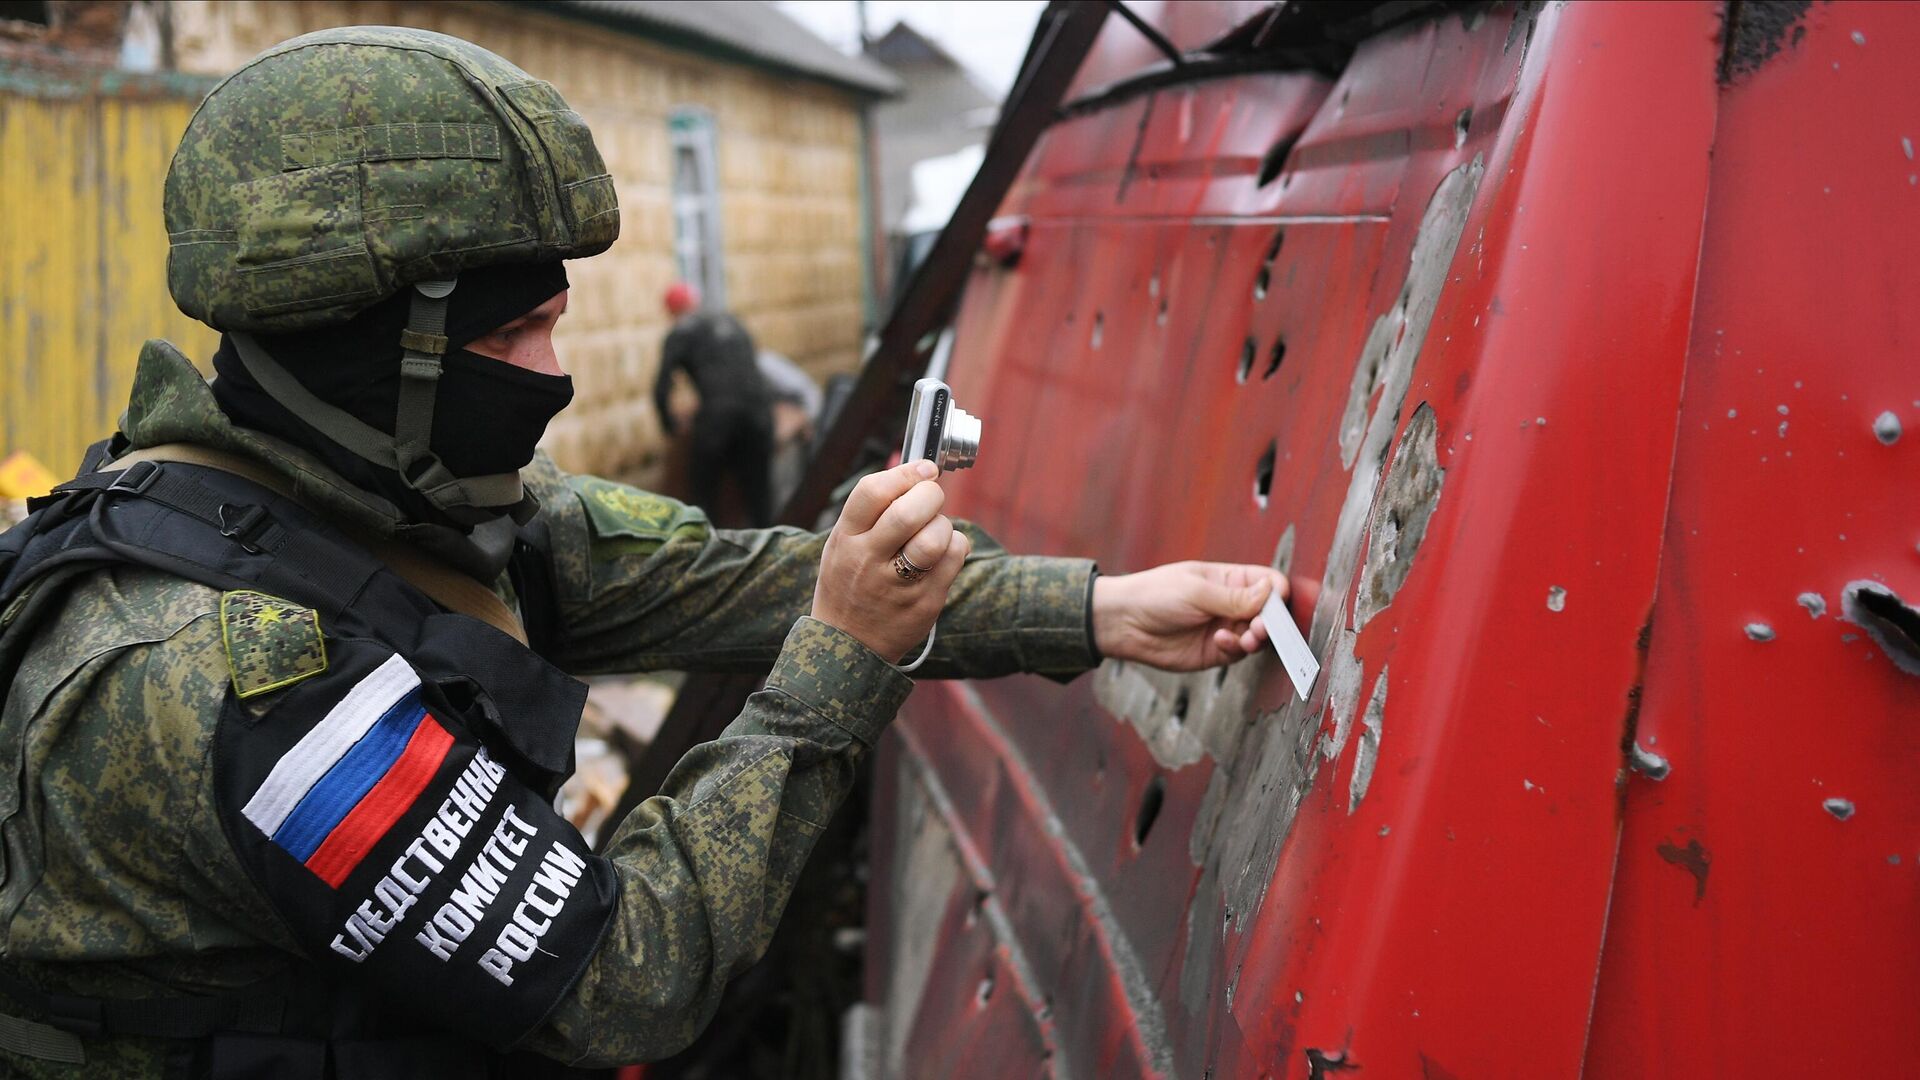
[(1295, 655)]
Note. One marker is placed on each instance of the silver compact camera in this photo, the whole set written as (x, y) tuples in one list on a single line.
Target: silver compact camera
[(938, 430)]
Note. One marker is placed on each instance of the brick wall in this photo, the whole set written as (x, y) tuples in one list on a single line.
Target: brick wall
[(789, 156)]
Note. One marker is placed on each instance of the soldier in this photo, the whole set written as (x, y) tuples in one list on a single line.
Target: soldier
[(280, 767)]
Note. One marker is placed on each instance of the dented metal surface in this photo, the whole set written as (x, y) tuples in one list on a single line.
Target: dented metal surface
[(1463, 343), (1810, 227)]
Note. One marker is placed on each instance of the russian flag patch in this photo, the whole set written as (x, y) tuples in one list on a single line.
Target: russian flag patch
[(334, 795)]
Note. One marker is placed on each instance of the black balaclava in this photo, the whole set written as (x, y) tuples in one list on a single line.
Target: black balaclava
[(488, 414)]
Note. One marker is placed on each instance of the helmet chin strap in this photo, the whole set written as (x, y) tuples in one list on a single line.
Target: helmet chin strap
[(468, 500)]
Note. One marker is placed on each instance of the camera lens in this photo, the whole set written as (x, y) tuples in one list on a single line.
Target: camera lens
[(960, 444)]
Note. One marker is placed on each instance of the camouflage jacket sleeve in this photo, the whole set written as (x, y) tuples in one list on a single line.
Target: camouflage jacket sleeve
[(706, 866), (643, 582), (694, 880)]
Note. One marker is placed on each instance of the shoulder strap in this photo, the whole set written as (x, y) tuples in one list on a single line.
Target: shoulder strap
[(448, 587)]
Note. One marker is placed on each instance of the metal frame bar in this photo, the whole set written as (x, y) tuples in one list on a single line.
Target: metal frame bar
[(1061, 41)]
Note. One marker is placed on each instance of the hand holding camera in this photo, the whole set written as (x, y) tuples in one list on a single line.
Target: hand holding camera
[(891, 514), (892, 555)]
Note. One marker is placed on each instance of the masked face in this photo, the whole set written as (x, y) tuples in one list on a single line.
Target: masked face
[(498, 392), (499, 387)]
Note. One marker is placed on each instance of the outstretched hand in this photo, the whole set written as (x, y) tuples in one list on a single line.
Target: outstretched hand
[(1184, 616)]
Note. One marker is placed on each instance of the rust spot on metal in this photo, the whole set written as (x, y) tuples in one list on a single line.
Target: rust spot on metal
[(1753, 33), (1695, 859)]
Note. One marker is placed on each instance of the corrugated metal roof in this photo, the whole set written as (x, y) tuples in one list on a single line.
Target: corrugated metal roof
[(743, 30)]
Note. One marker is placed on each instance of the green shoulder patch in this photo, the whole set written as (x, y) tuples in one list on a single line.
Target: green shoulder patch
[(270, 642), (619, 510)]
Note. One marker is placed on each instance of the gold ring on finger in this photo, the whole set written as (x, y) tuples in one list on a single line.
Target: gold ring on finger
[(905, 568)]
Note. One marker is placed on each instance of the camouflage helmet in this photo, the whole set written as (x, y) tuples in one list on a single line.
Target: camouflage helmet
[(337, 168)]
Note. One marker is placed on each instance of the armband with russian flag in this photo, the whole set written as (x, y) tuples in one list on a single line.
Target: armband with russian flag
[(404, 855)]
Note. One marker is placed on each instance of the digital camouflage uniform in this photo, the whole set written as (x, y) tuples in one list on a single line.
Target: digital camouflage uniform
[(120, 883), (119, 879)]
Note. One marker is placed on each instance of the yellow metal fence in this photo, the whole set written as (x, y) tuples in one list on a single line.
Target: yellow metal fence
[(83, 251)]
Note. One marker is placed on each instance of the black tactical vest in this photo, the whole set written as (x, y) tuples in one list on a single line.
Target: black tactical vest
[(461, 918)]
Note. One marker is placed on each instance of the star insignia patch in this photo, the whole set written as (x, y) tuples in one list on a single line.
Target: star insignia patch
[(270, 642)]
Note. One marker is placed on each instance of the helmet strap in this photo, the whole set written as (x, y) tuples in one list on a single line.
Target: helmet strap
[(469, 500), (422, 344)]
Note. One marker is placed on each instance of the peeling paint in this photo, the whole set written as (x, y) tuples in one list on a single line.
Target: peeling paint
[(1367, 376), (1368, 750), (1759, 631), (1400, 515), (1250, 805), (1839, 808), (1184, 717), (1395, 340), (1203, 930), (1815, 604), (1556, 599), (1891, 622)]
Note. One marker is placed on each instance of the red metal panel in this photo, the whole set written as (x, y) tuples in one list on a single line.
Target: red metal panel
[(1481, 258), (1754, 932)]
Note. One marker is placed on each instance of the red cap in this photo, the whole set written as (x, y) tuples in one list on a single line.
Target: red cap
[(681, 298)]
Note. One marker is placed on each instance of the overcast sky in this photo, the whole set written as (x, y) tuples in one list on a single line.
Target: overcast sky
[(988, 36)]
